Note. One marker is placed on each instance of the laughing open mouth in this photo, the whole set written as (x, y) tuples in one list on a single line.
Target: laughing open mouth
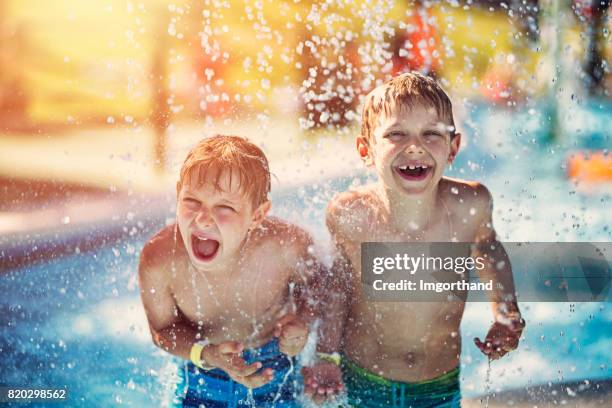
[(414, 173), (204, 249)]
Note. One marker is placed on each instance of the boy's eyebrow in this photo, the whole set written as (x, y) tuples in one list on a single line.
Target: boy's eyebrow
[(397, 126), (438, 127), (232, 196), (394, 126), (229, 201)]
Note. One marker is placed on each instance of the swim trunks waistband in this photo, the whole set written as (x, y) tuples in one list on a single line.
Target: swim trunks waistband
[(445, 384)]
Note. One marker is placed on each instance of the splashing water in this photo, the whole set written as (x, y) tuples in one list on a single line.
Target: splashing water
[(285, 378), (291, 302), (250, 398), (488, 382), (293, 309)]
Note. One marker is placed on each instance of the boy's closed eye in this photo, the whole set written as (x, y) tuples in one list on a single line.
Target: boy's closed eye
[(225, 207), (190, 200), (432, 135), (394, 135)]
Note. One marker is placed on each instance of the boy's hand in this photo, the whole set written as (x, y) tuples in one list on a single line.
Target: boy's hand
[(227, 357), (322, 381), (503, 336), (292, 334)]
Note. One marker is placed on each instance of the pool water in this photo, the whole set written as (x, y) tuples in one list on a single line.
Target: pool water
[(77, 321)]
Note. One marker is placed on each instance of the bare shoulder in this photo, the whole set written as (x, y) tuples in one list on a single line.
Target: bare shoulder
[(155, 281), (283, 236), (467, 198), (349, 212), (156, 254)]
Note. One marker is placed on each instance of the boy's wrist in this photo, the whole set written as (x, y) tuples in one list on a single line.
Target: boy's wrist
[(507, 309), (198, 357), (510, 316), (333, 358)]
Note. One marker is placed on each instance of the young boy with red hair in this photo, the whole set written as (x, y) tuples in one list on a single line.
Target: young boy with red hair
[(223, 287)]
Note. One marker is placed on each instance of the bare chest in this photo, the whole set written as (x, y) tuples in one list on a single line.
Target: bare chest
[(247, 297), (448, 228)]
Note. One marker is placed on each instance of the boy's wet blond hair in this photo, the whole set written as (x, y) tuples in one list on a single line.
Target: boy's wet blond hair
[(406, 90), (241, 158)]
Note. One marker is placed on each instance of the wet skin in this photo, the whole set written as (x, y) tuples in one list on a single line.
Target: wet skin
[(238, 294), (411, 202)]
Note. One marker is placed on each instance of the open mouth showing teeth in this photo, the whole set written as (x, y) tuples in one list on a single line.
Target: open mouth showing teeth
[(414, 172), (204, 249)]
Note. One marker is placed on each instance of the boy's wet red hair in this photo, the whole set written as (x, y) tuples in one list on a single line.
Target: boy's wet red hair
[(405, 90), (241, 158)]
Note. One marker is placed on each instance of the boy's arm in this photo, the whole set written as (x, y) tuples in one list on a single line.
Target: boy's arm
[(321, 293), (338, 285), (324, 379), (335, 300), (497, 266), (304, 286), (168, 331), (306, 278), (508, 325)]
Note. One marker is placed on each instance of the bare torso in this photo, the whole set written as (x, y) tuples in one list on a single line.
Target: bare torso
[(403, 341), (243, 304)]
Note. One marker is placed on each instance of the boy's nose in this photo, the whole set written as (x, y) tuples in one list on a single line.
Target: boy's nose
[(414, 149), (204, 218)]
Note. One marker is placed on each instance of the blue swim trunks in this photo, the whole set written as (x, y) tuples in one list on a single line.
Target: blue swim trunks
[(368, 390), (215, 389)]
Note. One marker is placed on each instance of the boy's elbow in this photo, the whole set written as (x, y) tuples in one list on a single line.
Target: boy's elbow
[(155, 336), (160, 340)]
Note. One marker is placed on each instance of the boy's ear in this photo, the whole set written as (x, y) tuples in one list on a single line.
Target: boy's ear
[(363, 148), (455, 144), (178, 188), (260, 213)]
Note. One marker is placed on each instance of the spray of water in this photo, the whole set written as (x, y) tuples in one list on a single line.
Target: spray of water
[(488, 383)]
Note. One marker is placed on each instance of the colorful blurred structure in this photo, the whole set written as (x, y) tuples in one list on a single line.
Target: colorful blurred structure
[(132, 66), (417, 48), (93, 62), (590, 167)]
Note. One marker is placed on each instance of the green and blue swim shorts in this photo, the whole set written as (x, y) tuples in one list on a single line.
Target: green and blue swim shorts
[(368, 390)]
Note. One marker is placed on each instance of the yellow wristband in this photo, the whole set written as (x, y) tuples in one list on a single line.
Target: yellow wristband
[(333, 358), (195, 355)]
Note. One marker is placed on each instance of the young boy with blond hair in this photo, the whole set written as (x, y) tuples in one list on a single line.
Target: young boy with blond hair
[(223, 287), (407, 353)]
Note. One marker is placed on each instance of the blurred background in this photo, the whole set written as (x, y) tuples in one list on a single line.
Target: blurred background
[(118, 89), (100, 101)]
